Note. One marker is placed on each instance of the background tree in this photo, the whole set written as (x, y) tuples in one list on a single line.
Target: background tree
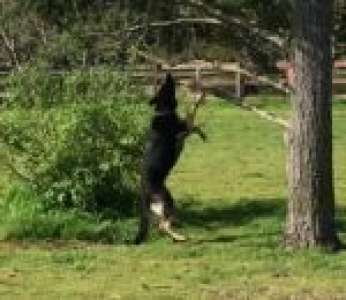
[(74, 33), (310, 219)]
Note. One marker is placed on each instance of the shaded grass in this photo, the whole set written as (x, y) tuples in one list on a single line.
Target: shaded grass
[(231, 194), (240, 213)]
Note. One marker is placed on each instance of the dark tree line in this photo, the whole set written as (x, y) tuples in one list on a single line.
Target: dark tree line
[(72, 33)]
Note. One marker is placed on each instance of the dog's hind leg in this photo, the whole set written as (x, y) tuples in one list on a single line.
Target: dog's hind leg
[(170, 209), (162, 206), (144, 223), (166, 226), (155, 204)]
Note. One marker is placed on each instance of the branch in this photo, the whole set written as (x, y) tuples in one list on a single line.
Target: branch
[(212, 21), (276, 42), (10, 47), (261, 113), (150, 58), (269, 116), (17, 173), (40, 26), (10, 165)]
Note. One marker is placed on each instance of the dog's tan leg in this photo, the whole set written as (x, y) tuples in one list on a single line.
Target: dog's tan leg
[(144, 224), (157, 207), (143, 228), (170, 209), (165, 226)]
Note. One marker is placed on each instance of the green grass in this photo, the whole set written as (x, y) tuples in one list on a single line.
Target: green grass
[(23, 217), (232, 195)]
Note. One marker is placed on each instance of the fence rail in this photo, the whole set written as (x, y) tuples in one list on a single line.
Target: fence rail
[(206, 75)]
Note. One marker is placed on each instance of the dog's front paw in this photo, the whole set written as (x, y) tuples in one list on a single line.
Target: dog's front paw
[(203, 136), (179, 238), (165, 226)]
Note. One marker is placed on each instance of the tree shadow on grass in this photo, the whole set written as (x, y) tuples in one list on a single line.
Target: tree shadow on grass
[(220, 215), (239, 213), (341, 219), (243, 212)]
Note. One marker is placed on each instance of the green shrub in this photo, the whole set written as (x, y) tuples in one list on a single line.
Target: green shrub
[(96, 163), (37, 86), (33, 86), (79, 147)]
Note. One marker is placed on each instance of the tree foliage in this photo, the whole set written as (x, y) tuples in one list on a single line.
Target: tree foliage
[(70, 33)]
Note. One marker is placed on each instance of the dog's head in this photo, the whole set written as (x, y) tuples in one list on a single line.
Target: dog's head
[(165, 99)]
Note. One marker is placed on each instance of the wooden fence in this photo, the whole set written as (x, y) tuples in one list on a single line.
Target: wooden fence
[(195, 75), (213, 76), (339, 75)]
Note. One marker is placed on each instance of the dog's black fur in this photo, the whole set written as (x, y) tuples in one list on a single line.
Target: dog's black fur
[(165, 143)]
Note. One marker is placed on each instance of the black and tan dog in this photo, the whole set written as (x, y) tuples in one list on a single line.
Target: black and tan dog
[(165, 143)]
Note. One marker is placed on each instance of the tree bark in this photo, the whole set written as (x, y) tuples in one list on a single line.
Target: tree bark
[(311, 206)]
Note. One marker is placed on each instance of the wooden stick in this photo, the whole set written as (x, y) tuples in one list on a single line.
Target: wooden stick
[(212, 21), (10, 47), (261, 113), (151, 58)]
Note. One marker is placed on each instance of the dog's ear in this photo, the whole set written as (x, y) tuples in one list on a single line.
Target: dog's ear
[(170, 85), (165, 97), (170, 82), (167, 90), (153, 101)]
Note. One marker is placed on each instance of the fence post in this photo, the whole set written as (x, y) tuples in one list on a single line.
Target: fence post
[(198, 78), (238, 82), (157, 70)]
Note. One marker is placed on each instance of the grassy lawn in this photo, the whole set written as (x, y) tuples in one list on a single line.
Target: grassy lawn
[(232, 195)]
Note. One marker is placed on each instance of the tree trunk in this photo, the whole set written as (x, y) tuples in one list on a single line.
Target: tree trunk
[(310, 216)]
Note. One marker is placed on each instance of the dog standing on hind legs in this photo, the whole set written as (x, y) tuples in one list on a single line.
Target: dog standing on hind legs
[(166, 140)]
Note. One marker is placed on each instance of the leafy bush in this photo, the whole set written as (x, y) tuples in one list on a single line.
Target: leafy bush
[(79, 146), (95, 166), (37, 86), (33, 86)]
